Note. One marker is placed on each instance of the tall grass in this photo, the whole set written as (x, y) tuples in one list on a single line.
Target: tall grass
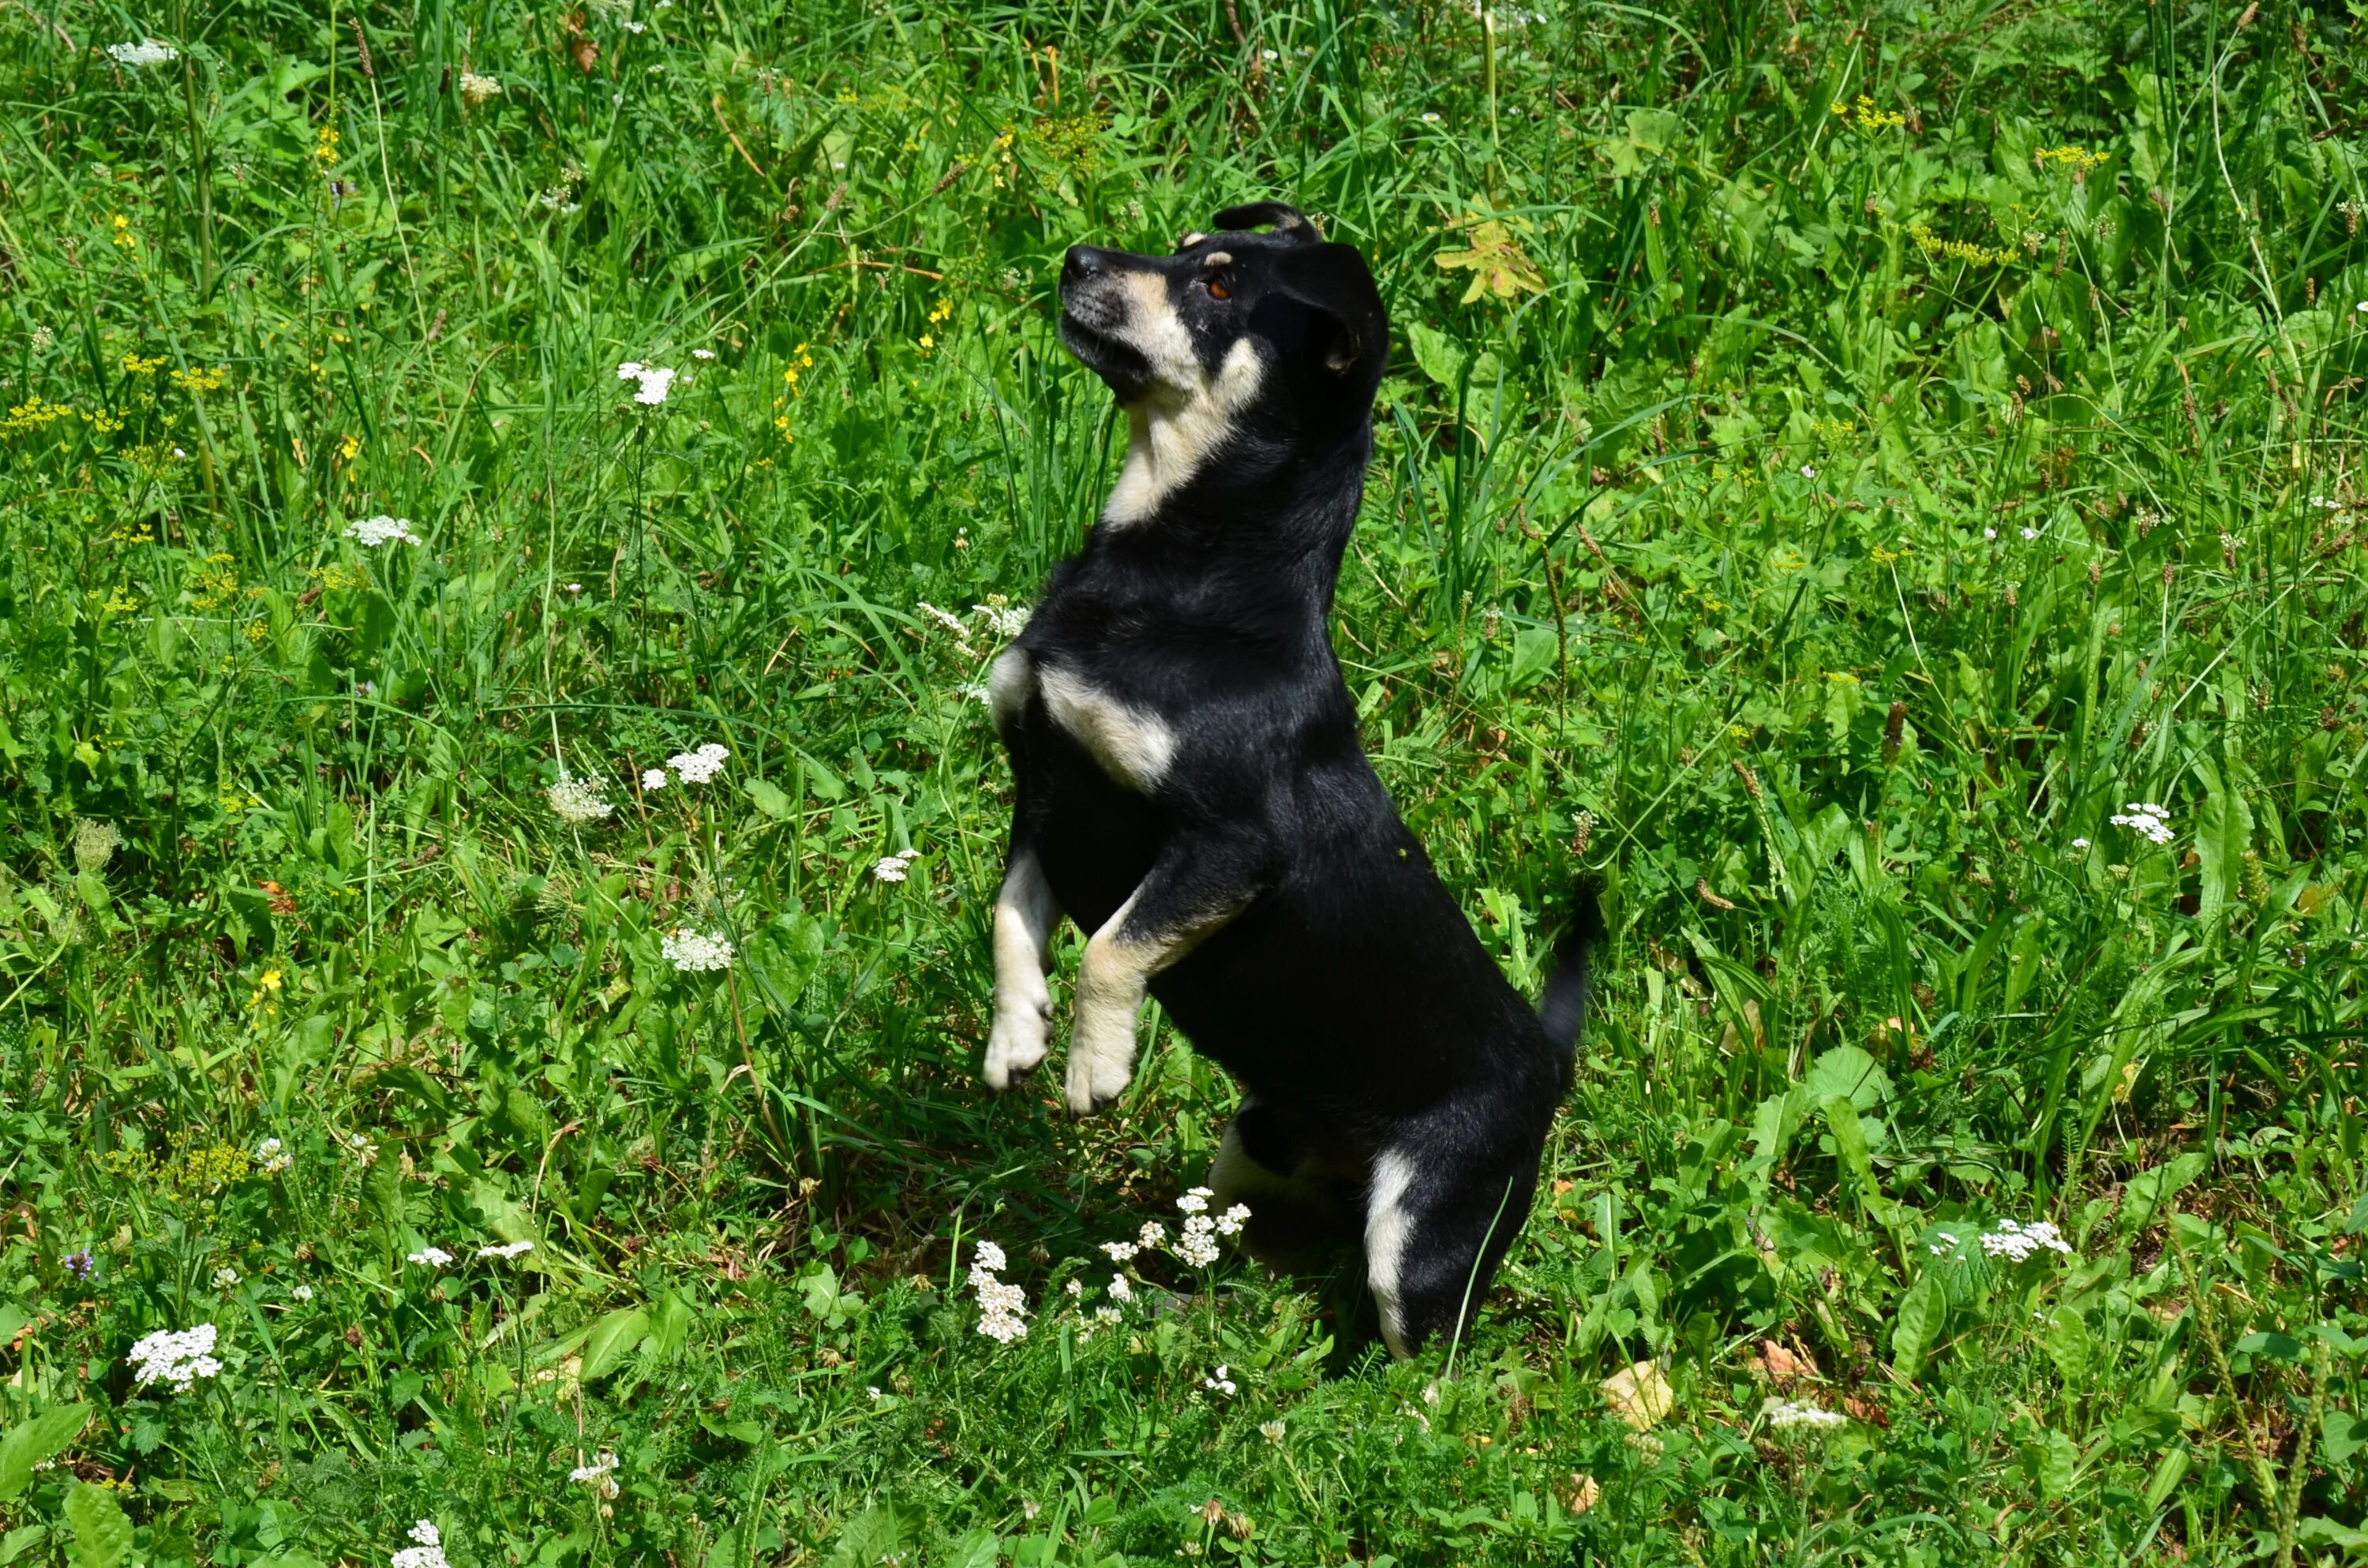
[(1840, 464)]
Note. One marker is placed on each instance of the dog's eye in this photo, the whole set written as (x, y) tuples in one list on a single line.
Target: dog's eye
[(1217, 289)]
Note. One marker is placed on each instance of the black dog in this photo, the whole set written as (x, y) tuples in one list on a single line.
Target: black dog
[(1192, 791)]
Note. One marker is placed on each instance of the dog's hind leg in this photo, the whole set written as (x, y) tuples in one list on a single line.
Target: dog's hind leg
[(1025, 914), (1192, 890), (1438, 1216), (1301, 1204)]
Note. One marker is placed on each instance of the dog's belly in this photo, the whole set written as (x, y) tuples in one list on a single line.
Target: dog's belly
[(1097, 841)]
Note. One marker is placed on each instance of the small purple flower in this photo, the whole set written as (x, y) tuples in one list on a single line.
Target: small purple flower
[(78, 1264)]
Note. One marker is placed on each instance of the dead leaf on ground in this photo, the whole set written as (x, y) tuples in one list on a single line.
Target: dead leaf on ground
[(1639, 1396)]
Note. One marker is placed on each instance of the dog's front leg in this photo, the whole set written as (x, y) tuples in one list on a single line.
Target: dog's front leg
[(1187, 894), (1025, 914)]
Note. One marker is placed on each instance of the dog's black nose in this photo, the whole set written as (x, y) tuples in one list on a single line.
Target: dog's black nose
[(1083, 262)]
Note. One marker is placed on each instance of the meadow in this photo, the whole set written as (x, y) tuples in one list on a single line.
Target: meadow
[(503, 515)]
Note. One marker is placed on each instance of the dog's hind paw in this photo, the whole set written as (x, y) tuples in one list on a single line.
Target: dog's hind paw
[(1015, 1047)]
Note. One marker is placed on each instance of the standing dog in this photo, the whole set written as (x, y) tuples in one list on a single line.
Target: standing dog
[(1192, 792)]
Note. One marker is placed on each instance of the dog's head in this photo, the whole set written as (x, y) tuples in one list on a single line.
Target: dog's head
[(1283, 327)]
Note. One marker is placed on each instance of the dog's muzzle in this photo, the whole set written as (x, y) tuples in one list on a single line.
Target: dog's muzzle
[(1095, 314)]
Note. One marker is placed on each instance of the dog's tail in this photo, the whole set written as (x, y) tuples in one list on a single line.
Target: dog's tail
[(1562, 1008)]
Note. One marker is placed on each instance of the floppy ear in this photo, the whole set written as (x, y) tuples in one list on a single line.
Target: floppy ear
[(1289, 222), (1349, 328)]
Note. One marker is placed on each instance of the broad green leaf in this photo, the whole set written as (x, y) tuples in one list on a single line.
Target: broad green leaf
[(44, 1437), (102, 1533), (769, 798), (1847, 1071), (2070, 1346), (2051, 1461), (1440, 356), (1921, 1313), (2340, 1435), (2169, 1472), (2149, 1191), (13, 1544), (612, 1339), (867, 1539)]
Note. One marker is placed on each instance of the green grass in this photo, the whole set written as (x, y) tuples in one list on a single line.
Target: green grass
[(1817, 525)]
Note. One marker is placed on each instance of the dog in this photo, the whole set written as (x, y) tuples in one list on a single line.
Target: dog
[(1190, 788)]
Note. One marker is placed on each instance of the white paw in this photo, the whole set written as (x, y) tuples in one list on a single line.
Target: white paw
[(1017, 1042), (1102, 1061)]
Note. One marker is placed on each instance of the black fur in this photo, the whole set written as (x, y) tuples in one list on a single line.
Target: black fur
[(1341, 983)]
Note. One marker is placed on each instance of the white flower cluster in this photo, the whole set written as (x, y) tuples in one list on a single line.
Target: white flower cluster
[(428, 1553), (225, 1277), (476, 89), (600, 1475), (429, 1258), (698, 766), (271, 1156), (1944, 1243), (577, 801), (506, 1250), (1219, 1383), (2015, 1243), (1002, 619), (147, 52), (371, 532), (891, 869), (656, 382), (1000, 1306), (302, 1292), (1006, 621), (2141, 817), (1197, 1247), (1783, 1414), (695, 951), (176, 1357)]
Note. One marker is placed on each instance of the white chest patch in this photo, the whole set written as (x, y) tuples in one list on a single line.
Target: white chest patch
[(1176, 428), (1134, 747)]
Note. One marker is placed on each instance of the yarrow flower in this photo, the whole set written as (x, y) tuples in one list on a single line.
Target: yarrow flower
[(270, 1156), (506, 1250), (371, 532), (2146, 820), (178, 1357), (429, 1257), (600, 1475), (1000, 1306), (699, 767), (2015, 1242), (654, 381), (694, 952), (428, 1553), (1944, 1243), (1195, 1200), (653, 777), (577, 801), (1153, 1235), (1004, 620), (891, 869), (476, 89), (1783, 1414), (1121, 1252), (1120, 1290), (147, 52)]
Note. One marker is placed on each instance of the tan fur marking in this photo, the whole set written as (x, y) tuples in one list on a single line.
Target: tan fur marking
[(1132, 747)]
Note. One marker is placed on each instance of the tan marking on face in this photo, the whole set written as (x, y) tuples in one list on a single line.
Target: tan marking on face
[(1218, 259)]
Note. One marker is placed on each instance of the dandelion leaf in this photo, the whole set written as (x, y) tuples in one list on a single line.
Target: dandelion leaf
[(43, 1437)]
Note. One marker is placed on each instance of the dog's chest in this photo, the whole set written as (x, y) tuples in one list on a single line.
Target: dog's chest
[(1133, 746)]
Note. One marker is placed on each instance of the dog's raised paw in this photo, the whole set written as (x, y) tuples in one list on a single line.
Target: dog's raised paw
[(1015, 1048)]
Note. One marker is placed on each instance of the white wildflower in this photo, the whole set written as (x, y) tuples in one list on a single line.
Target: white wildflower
[(699, 767), (1001, 1307), (1271, 1431), (371, 532), (1218, 1382), (271, 1156), (428, 1256), (653, 777), (362, 1148), (1784, 1414), (600, 1475), (891, 869), (1430, 117), (1231, 1222), (1195, 1200), (1120, 1290), (2080, 844), (655, 380), (1076, 1288), (1944, 1243), (428, 1553), (694, 952), (303, 1292), (2029, 534), (1006, 621), (637, 26), (1121, 1252), (1989, 533), (702, 353), (871, 1393), (1153, 1236), (947, 619), (225, 1277), (506, 1250), (95, 844), (2150, 822), (1197, 1247), (176, 1357), (147, 52), (1109, 1317), (2015, 1242), (1808, 472), (476, 89), (578, 800)]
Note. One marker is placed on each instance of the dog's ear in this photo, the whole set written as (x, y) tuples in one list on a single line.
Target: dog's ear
[(1288, 222), (1347, 330)]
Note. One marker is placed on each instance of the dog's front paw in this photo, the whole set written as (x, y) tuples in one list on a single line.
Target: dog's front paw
[(1016, 1043), (1100, 1063)]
